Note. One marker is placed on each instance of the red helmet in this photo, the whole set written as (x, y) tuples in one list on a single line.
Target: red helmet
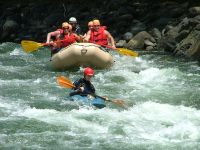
[(88, 71)]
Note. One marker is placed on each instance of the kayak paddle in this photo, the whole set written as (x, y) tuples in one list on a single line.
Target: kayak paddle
[(122, 51), (68, 84)]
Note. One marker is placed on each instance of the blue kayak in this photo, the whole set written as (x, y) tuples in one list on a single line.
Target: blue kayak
[(88, 99)]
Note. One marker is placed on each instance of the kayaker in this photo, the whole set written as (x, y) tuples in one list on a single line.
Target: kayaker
[(84, 84), (67, 36), (99, 35), (75, 28)]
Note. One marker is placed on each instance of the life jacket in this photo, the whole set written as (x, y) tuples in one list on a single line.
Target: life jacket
[(69, 40), (99, 37)]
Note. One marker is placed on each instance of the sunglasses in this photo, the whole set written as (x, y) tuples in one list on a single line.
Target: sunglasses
[(97, 26), (66, 28), (90, 26)]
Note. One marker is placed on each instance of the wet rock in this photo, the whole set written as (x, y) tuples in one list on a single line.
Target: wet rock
[(128, 36), (149, 48), (148, 43), (155, 33), (120, 43), (8, 28), (138, 40), (194, 11), (183, 34)]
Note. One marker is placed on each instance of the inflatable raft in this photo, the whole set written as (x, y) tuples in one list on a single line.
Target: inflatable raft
[(81, 54), (87, 99)]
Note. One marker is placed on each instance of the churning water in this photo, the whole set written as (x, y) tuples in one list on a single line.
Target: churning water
[(163, 92)]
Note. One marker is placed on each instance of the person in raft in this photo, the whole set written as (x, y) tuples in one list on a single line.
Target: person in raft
[(75, 28), (90, 25), (84, 84), (99, 35), (67, 38)]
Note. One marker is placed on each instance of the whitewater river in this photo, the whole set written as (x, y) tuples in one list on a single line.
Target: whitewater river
[(163, 92)]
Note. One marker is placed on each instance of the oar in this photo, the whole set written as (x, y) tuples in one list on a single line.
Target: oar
[(122, 51), (68, 84), (32, 46)]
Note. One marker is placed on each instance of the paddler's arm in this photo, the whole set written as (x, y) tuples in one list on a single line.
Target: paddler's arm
[(78, 38), (86, 39), (106, 99), (49, 35), (75, 91), (107, 34), (57, 43)]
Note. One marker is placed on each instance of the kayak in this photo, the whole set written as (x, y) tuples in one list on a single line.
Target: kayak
[(81, 54), (87, 99)]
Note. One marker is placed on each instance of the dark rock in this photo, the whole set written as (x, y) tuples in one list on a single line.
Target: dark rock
[(9, 28), (71, 8), (113, 5), (37, 8), (162, 21), (128, 10), (183, 34), (126, 17), (138, 27), (14, 9), (83, 8), (5, 15), (107, 22), (53, 18), (177, 12), (16, 17), (29, 35)]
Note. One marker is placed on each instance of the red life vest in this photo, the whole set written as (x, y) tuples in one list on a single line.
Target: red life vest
[(69, 40), (99, 37), (61, 30)]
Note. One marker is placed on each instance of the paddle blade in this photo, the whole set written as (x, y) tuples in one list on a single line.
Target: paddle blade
[(127, 52), (65, 82), (120, 102), (31, 45)]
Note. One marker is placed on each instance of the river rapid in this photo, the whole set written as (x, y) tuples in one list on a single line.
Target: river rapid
[(163, 92)]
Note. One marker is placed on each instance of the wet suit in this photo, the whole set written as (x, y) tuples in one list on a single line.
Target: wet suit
[(82, 83)]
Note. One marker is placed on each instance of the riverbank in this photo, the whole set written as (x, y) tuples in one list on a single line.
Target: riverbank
[(166, 26)]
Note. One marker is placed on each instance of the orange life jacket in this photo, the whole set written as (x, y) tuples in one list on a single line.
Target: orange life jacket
[(99, 37), (69, 40)]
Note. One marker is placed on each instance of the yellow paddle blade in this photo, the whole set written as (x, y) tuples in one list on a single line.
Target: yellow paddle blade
[(65, 82), (120, 102), (127, 52), (31, 45)]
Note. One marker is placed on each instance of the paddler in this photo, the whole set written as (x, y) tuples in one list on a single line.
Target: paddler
[(75, 28), (84, 84), (67, 38), (99, 35)]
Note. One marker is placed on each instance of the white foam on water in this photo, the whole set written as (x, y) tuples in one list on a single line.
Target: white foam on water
[(148, 122)]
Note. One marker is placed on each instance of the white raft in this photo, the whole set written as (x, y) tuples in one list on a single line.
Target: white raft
[(81, 54)]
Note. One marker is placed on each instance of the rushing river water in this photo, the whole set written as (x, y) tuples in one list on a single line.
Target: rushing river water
[(163, 92)]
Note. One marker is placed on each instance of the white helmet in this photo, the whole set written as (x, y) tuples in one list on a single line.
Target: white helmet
[(72, 20)]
